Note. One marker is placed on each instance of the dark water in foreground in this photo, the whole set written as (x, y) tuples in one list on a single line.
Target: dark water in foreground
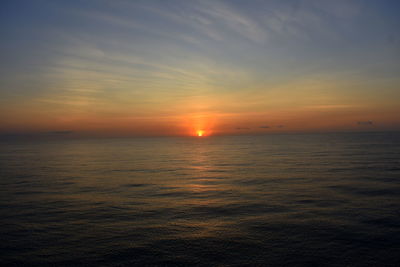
[(278, 200)]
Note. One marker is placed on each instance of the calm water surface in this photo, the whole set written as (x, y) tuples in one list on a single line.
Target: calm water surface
[(277, 200)]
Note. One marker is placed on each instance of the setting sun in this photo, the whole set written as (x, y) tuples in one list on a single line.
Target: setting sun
[(200, 133)]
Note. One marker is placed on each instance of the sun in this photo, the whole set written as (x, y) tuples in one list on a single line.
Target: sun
[(200, 133)]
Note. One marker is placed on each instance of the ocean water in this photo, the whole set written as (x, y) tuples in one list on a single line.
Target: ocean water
[(274, 200)]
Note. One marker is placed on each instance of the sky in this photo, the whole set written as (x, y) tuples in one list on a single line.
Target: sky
[(174, 68)]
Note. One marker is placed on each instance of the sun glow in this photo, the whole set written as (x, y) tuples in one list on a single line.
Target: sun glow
[(200, 133), (199, 125)]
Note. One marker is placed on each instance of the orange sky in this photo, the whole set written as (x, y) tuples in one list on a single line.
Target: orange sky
[(152, 69)]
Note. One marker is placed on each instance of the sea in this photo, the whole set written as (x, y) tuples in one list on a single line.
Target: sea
[(272, 200)]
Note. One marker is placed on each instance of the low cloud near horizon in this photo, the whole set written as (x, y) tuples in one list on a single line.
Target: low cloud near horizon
[(365, 123), (60, 132)]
